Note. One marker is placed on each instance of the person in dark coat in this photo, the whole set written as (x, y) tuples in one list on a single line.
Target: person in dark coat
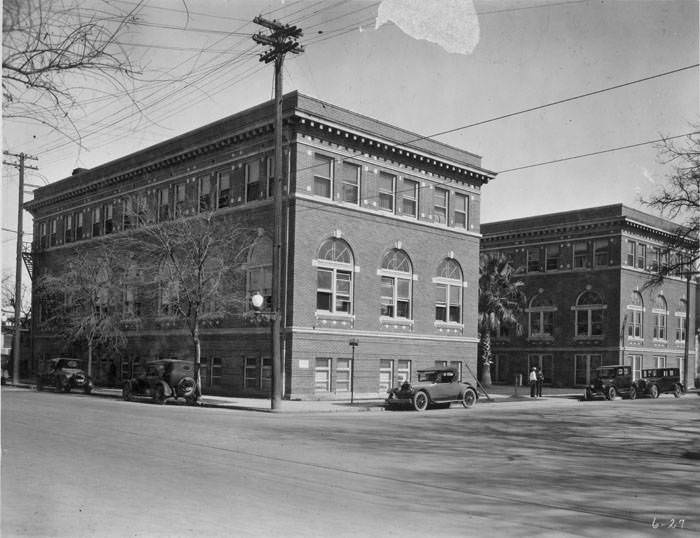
[(540, 380)]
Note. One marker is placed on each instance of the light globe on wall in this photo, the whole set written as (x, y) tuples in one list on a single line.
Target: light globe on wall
[(257, 300)]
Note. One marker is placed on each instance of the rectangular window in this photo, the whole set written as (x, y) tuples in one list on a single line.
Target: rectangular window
[(323, 176), (96, 222), (461, 210), (216, 371), (660, 326), (409, 198), (403, 298), (79, 226), (324, 289), (251, 379), (343, 381), (641, 256), (53, 236), (680, 328), (180, 199), (109, 218), (322, 375), (224, 189), (600, 252), (636, 366), (660, 361), (387, 296), (350, 186), (386, 184), (440, 205), (634, 327), (441, 302), (270, 176), (403, 372), (342, 292), (386, 374), (163, 204), (253, 191), (43, 237), (68, 228), (552, 257), (533, 260), (584, 367), (204, 184), (654, 259), (631, 253), (580, 255)]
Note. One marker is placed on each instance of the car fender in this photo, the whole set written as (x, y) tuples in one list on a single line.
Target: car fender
[(167, 389)]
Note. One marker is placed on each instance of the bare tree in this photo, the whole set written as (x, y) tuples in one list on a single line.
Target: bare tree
[(53, 49), (679, 199), (196, 266), (83, 303), (8, 299)]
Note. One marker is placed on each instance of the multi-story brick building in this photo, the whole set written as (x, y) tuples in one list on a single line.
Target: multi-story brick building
[(585, 273), (382, 243)]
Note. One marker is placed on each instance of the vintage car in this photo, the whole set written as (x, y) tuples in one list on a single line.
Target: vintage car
[(434, 387), (656, 381), (611, 381), (64, 374), (163, 379)]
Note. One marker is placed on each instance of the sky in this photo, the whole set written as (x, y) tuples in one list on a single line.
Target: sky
[(429, 66)]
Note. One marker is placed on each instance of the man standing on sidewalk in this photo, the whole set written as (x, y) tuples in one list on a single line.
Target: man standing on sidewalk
[(540, 380), (533, 381)]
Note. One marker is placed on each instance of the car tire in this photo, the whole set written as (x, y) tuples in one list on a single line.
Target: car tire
[(677, 390), (87, 389), (611, 394), (186, 387), (469, 398), (421, 400), (159, 395), (588, 395), (633, 393), (191, 400), (66, 386), (654, 391)]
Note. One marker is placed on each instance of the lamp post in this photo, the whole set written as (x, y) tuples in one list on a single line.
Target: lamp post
[(354, 342), (257, 300)]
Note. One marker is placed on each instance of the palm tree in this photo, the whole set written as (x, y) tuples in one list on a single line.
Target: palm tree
[(501, 302)]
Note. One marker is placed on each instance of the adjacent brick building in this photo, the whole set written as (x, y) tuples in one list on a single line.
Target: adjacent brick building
[(382, 244), (585, 273)]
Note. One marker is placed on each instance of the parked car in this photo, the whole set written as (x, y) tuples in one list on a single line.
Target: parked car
[(64, 374), (434, 386), (656, 381), (611, 381), (163, 379)]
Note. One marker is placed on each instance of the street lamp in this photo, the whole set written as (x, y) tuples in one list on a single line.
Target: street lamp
[(257, 301), (354, 342)]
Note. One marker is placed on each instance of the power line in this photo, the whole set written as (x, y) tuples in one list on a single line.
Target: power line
[(610, 150)]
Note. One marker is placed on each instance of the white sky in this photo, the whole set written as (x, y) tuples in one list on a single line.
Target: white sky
[(529, 53)]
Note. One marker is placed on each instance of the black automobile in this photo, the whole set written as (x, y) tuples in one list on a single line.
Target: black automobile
[(611, 381), (435, 386), (657, 381), (161, 380), (64, 374)]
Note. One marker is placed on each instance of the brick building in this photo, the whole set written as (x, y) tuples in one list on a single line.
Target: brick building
[(584, 273), (382, 243)]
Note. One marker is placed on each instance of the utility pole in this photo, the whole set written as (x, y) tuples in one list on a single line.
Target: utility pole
[(18, 262), (281, 40)]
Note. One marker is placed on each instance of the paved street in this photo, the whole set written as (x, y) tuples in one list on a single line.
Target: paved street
[(75, 465)]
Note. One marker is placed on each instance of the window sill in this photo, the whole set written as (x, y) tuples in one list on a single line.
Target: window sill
[(399, 324), (331, 320), (541, 338), (449, 327)]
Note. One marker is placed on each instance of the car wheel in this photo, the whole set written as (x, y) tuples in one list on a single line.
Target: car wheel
[(654, 391), (191, 400), (677, 390), (186, 387), (633, 393), (126, 392), (588, 395), (469, 398), (66, 386), (159, 395), (421, 401), (612, 393), (87, 389)]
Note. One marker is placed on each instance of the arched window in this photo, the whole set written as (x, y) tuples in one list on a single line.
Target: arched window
[(448, 292), (334, 269), (540, 316), (396, 275), (635, 316), (660, 312), (680, 320), (259, 271), (589, 310)]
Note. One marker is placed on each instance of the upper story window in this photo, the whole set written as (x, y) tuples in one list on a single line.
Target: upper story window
[(386, 185), (590, 311), (323, 175), (253, 189), (350, 183), (635, 316), (631, 253), (224, 189), (334, 270), (552, 256), (96, 222), (660, 312), (180, 199), (461, 211), (580, 250), (440, 205), (396, 275), (641, 256), (270, 176), (541, 317), (53, 236), (163, 204), (168, 293), (409, 198), (79, 227), (448, 292), (68, 228), (601, 255), (204, 186), (681, 320), (534, 262), (259, 271), (108, 210)]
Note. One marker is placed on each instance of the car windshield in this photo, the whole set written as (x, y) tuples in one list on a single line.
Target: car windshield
[(606, 372), (427, 376)]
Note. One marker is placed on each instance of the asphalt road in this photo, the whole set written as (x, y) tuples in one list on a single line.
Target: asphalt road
[(76, 465)]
